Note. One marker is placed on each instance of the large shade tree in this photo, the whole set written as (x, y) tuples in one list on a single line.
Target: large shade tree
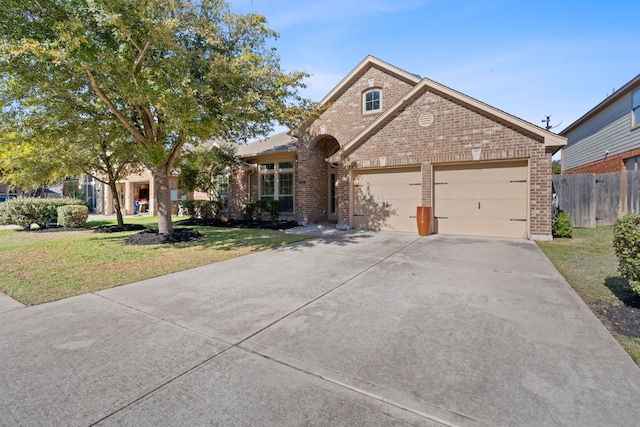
[(45, 140), (169, 72)]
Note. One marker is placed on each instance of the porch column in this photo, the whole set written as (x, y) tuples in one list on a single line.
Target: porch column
[(107, 200), (152, 195), (128, 198)]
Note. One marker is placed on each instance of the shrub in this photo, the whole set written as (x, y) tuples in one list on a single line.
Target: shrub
[(26, 211), (249, 210), (563, 226), (270, 206), (205, 209), (255, 210), (626, 243), (72, 215)]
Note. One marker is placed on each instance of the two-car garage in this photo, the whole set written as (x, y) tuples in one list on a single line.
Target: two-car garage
[(479, 199)]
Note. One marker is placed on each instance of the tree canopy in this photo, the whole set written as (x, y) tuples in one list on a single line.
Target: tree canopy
[(164, 72)]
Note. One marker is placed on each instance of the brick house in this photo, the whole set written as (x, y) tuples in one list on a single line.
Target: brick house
[(388, 141), (607, 138)]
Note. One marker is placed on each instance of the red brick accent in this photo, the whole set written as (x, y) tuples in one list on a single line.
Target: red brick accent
[(613, 163)]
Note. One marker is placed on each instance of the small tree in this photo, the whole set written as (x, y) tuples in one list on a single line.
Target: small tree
[(206, 169), (563, 226), (626, 243)]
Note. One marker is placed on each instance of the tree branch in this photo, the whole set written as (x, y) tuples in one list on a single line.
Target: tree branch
[(175, 151), (132, 130), (147, 120), (136, 61)]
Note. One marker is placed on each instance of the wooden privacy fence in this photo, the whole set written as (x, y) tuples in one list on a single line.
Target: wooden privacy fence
[(598, 199)]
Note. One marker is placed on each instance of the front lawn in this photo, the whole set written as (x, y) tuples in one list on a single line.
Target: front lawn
[(44, 266), (588, 263)]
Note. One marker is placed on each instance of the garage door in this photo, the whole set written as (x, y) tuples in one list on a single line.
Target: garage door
[(387, 200), (482, 200)]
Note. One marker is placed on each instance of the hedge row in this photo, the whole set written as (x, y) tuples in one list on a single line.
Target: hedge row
[(26, 211), (626, 243)]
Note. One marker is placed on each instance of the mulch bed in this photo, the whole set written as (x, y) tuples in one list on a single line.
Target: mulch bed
[(239, 223), (152, 237), (623, 319), (118, 229)]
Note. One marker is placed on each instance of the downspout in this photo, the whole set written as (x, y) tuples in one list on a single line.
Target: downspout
[(250, 168)]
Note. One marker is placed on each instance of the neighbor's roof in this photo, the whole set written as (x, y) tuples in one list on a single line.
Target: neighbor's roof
[(632, 84), (278, 143)]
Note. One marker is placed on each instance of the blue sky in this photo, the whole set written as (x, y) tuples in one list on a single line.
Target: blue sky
[(528, 58)]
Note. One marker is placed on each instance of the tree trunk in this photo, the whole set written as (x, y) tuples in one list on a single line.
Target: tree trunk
[(116, 198), (163, 197)]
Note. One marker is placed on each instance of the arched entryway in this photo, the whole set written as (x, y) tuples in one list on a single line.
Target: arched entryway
[(322, 200)]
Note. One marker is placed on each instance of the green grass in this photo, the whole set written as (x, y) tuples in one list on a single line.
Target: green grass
[(588, 263), (40, 267)]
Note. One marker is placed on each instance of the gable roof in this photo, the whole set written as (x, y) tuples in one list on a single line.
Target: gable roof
[(278, 143), (367, 62), (550, 139), (631, 85)]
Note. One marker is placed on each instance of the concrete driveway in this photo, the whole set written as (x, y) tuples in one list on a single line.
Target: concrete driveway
[(354, 329)]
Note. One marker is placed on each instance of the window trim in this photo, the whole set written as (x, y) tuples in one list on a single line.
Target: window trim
[(364, 100), (276, 171), (635, 108)]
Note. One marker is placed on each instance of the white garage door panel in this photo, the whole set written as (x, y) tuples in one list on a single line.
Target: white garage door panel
[(387, 200), (482, 200)]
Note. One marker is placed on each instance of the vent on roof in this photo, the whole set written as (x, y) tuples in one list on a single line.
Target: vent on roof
[(426, 119)]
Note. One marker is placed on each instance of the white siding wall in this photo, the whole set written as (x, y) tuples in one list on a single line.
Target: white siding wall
[(610, 130)]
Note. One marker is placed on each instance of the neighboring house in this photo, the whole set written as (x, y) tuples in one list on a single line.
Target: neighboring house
[(607, 138), (388, 141), (7, 192), (140, 186)]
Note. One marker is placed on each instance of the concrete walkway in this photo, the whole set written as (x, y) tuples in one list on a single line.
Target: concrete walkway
[(354, 328)]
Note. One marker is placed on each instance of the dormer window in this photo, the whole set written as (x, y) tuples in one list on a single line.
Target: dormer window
[(372, 101), (635, 108)]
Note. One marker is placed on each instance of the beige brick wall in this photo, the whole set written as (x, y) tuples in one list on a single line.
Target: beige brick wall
[(243, 180), (401, 141), (456, 132), (339, 123)]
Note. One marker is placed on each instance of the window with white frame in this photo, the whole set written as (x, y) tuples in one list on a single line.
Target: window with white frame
[(635, 108), (276, 183), (222, 185), (372, 101)]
